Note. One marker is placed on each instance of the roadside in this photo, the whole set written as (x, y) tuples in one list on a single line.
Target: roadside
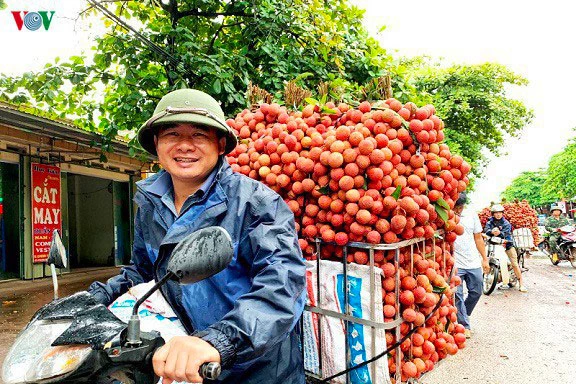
[(520, 338)]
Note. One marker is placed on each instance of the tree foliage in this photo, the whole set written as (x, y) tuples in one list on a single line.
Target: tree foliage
[(529, 186), (561, 180), (472, 100), (219, 46), (212, 45)]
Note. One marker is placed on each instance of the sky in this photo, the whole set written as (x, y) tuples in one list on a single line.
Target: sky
[(27, 50), (534, 39)]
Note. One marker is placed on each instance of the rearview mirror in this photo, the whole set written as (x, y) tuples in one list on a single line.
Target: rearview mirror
[(57, 255), (201, 254)]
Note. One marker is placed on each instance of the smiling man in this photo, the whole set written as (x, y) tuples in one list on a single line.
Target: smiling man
[(246, 316)]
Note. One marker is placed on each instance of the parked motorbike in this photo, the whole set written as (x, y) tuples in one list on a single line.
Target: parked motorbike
[(501, 270), (76, 340), (566, 246)]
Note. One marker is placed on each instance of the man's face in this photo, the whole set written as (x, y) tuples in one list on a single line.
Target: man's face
[(498, 215), (188, 153), (458, 209), (556, 213)]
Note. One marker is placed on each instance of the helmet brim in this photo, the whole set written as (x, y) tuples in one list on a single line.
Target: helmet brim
[(147, 131)]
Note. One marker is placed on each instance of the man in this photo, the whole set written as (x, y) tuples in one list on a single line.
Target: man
[(497, 225), (551, 224), (246, 316), (471, 260)]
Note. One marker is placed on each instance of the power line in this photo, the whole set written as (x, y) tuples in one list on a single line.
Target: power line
[(154, 47)]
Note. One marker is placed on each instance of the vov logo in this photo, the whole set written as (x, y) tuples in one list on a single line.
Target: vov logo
[(33, 20)]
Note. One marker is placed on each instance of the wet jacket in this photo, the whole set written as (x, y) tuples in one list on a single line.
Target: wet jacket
[(553, 223), (505, 230), (249, 312)]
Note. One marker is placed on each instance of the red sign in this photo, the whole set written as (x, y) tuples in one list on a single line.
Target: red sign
[(46, 209)]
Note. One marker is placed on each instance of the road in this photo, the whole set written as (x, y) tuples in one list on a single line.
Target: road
[(520, 338)]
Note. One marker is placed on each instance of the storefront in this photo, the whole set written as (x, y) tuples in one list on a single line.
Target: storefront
[(52, 177)]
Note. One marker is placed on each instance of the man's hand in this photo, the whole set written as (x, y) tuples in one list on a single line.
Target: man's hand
[(496, 231), (485, 265), (180, 359)]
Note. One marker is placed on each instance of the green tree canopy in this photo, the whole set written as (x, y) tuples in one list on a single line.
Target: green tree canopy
[(214, 45), (472, 101), (529, 186), (561, 180), (219, 46)]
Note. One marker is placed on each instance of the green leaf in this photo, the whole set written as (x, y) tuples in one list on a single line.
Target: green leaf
[(325, 190), (438, 290), (103, 158), (396, 194), (217, 86), (329, 111), (441, 202), (441, 212), (311, 101)]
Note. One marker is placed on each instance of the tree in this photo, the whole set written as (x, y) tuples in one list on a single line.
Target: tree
[(529, 186), (561, 180), (473, 103), (219, 46), (214, 45)]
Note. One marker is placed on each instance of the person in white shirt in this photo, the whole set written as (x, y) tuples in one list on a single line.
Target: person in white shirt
[(471, 260)]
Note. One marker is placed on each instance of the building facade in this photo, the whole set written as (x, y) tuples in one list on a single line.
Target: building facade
[(91, 201)]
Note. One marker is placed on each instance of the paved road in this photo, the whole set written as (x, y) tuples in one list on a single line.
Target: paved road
[(520, 338)]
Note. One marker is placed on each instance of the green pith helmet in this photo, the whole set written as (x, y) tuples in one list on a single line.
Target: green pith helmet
[(186, 106), (555, 207), (497, 208)]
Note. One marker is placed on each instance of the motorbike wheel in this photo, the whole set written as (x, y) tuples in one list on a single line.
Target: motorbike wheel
[(522, 260), (572, 257), (490, 280), (513, 278)]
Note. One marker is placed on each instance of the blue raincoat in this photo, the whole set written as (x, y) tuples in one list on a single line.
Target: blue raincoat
[(249, 312), (505, 230)]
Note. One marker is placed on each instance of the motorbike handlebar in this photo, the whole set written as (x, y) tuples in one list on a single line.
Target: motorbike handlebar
[(210, 371), (496, 240)]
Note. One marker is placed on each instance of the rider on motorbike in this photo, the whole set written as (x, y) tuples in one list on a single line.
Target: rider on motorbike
[(497, 225), (552, 224), (245, 317)]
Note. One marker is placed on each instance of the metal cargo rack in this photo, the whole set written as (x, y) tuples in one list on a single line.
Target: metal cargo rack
[(348, 318), (523, 238)]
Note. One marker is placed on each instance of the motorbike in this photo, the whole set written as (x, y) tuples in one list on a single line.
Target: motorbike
[(501, 270), (566, 245), (76, 340)]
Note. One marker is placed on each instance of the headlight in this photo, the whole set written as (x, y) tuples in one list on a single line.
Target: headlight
[(32, 357)]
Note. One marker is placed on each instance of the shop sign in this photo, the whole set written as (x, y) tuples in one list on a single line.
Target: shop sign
[(46, 209)]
